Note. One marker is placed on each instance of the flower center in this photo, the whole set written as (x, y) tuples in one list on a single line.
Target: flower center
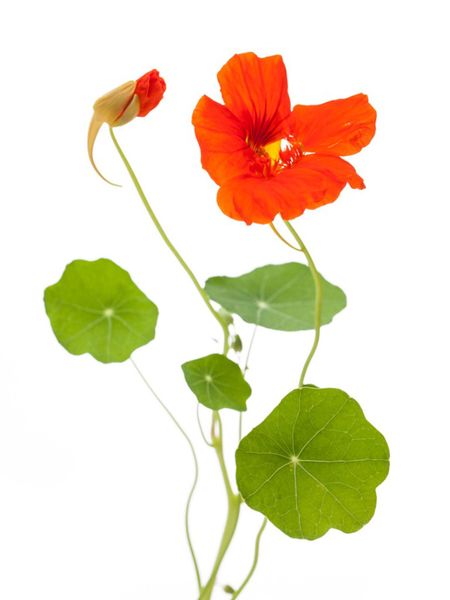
[(271, 159), (273, 151)]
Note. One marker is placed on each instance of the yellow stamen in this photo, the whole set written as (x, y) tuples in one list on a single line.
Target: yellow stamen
[(273, 150)]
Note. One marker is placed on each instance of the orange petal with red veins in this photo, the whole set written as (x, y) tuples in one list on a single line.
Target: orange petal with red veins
[(225, 153), (314, 181), (260, 199), (255, 90), (339, 127), (336, 173)]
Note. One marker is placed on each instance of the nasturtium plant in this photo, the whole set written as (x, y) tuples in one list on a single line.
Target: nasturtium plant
[(276, 296), (96, 308), (313, 464), (217, 382)]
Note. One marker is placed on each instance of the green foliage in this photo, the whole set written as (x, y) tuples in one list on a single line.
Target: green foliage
[(313, 464), (96, 308), (276, 296), (217, 382)]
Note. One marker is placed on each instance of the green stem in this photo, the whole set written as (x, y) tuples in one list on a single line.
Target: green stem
[(169, 244), (194, 485), (318, 301), (200, 426), (234, 505), (255, 561), (283, 239), (234, 500), (244, 372)]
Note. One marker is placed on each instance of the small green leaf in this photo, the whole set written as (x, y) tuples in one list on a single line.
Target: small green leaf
[(96, 308), (313, 464), (276, 296), (217, 382)]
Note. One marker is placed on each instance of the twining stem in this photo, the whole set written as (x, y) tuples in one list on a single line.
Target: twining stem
[(169, 244), (317, 303), (255, 561), (194, 485), (234, 505)]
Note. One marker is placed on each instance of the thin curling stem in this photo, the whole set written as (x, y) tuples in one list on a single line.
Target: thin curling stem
[(194, 484), (169, 244), (255, 561), (317, 303)]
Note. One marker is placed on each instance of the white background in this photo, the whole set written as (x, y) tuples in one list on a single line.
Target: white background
[(93, 476)]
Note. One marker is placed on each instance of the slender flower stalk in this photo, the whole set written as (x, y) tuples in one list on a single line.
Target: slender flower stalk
[(283, 239), (169, 244), (317, 302)]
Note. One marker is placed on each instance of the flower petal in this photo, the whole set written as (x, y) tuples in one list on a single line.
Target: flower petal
[(248, 199), (260, 199), (314, 181), (336, 173), (150, 89), (255, 90), (339, 127), (221, 136)]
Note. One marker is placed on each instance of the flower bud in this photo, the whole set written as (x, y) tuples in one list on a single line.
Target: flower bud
[(123, 104), (150, 89), (236, 344)]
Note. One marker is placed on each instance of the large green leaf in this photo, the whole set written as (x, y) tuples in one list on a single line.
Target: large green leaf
[(276, 296), (217, 382), (313, 464), (96, 308)]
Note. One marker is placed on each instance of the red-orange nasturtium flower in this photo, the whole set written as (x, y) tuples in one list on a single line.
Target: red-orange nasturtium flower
[(269, 159), (124, 103)]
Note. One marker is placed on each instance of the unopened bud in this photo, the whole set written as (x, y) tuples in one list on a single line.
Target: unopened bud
[(123, 104), (236, 343)]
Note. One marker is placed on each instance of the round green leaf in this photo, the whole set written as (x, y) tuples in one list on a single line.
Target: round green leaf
[(96, 308), (217, 382), (276, 296), (313, 464)]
